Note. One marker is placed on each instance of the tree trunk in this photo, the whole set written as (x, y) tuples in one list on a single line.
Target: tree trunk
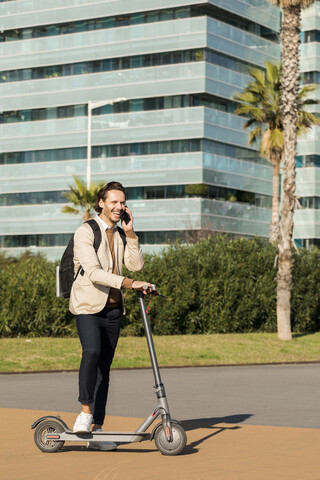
[(275, 159), (290, 83)]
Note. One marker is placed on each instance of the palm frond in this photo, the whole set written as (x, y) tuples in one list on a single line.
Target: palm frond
[(259, 76), (68, 209), (310, 101), (80, 185), (271, 146), (260, 104), (249, 123), (72, 196), (265, 143), (246, 97), (276, 138), (255, 135), (306, 90), (305, 120), (251, 111), (81, 197), (273, 73)]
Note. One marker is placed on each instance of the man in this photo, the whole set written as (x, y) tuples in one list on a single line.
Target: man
[(97, 303)]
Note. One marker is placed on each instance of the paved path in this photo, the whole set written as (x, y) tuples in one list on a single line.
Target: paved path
[(215, 450), (281, 395), (226, 412)]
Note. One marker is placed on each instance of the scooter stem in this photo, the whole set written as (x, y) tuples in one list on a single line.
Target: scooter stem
[(152, 352)]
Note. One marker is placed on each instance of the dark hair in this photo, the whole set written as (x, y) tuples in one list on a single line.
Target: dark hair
[(103, 192)]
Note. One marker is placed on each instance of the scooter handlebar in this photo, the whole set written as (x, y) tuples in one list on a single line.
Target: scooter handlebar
[(153, 290), (153, 287)]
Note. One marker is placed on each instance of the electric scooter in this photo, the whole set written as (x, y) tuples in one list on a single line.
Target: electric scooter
[(170, 438)]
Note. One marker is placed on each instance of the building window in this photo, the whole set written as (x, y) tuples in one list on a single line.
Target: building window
[(308, 161), (310, 77), (147, 148), (311, 36), (148, 193), (40, 240), (133, 19), (124, 63), (308, 242)]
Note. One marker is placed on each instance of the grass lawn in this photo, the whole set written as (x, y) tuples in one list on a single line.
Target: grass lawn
[(36, 354)]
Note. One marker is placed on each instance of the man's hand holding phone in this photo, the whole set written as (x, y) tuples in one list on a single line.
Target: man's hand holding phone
[(127, 219)]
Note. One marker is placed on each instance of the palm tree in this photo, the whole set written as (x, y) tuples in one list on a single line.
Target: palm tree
[(260, 102), (82, 198), (290, 40)]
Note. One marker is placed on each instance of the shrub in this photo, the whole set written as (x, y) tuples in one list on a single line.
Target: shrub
[(305, 300), (218, 285), (29, 306)]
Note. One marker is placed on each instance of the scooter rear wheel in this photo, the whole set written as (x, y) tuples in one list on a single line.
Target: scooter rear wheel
[(44, 428), (170, 448)]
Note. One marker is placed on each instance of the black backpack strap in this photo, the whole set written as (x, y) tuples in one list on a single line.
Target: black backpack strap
[(96, 242), (96, 232), (123, 236)]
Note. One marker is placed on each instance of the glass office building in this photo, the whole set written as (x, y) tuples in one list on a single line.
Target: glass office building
[(307, 219), (175, 142)]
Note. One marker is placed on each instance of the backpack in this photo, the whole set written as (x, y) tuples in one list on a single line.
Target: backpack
[(65, 272)]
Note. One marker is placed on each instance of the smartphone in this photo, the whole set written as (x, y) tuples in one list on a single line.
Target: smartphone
[(126, 217)]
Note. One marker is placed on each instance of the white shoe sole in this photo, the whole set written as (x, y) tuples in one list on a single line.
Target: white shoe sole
[(108, 448), (81, 430)]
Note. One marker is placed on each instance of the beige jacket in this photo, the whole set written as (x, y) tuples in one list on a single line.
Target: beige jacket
[(90, 291)]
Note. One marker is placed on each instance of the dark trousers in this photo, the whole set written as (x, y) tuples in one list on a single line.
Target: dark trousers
[(98, 335)]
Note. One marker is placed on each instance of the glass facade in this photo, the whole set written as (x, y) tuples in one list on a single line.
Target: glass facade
[(148, 193), (132, 19), (175, 142), (129, 149), (307, 221), (125, 63), (135, 105), (98, 23)]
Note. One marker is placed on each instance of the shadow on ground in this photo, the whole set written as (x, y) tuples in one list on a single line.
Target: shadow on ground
[(214, 427)]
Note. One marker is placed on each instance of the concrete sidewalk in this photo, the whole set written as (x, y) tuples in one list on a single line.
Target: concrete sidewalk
[(221, 451), (278, 395)]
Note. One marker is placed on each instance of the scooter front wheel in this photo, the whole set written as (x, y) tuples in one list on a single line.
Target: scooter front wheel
[(48, 427), (178, 443)]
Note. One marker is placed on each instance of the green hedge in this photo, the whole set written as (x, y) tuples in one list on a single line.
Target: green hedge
[(29, 306), (215, 286)]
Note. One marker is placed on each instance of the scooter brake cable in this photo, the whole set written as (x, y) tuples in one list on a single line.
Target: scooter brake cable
[(148, 309)]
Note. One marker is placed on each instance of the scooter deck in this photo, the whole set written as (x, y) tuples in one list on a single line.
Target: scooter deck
[(118, 437)]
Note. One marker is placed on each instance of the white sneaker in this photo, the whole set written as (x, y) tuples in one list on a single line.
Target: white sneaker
[(105, 446), (83, 423)]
